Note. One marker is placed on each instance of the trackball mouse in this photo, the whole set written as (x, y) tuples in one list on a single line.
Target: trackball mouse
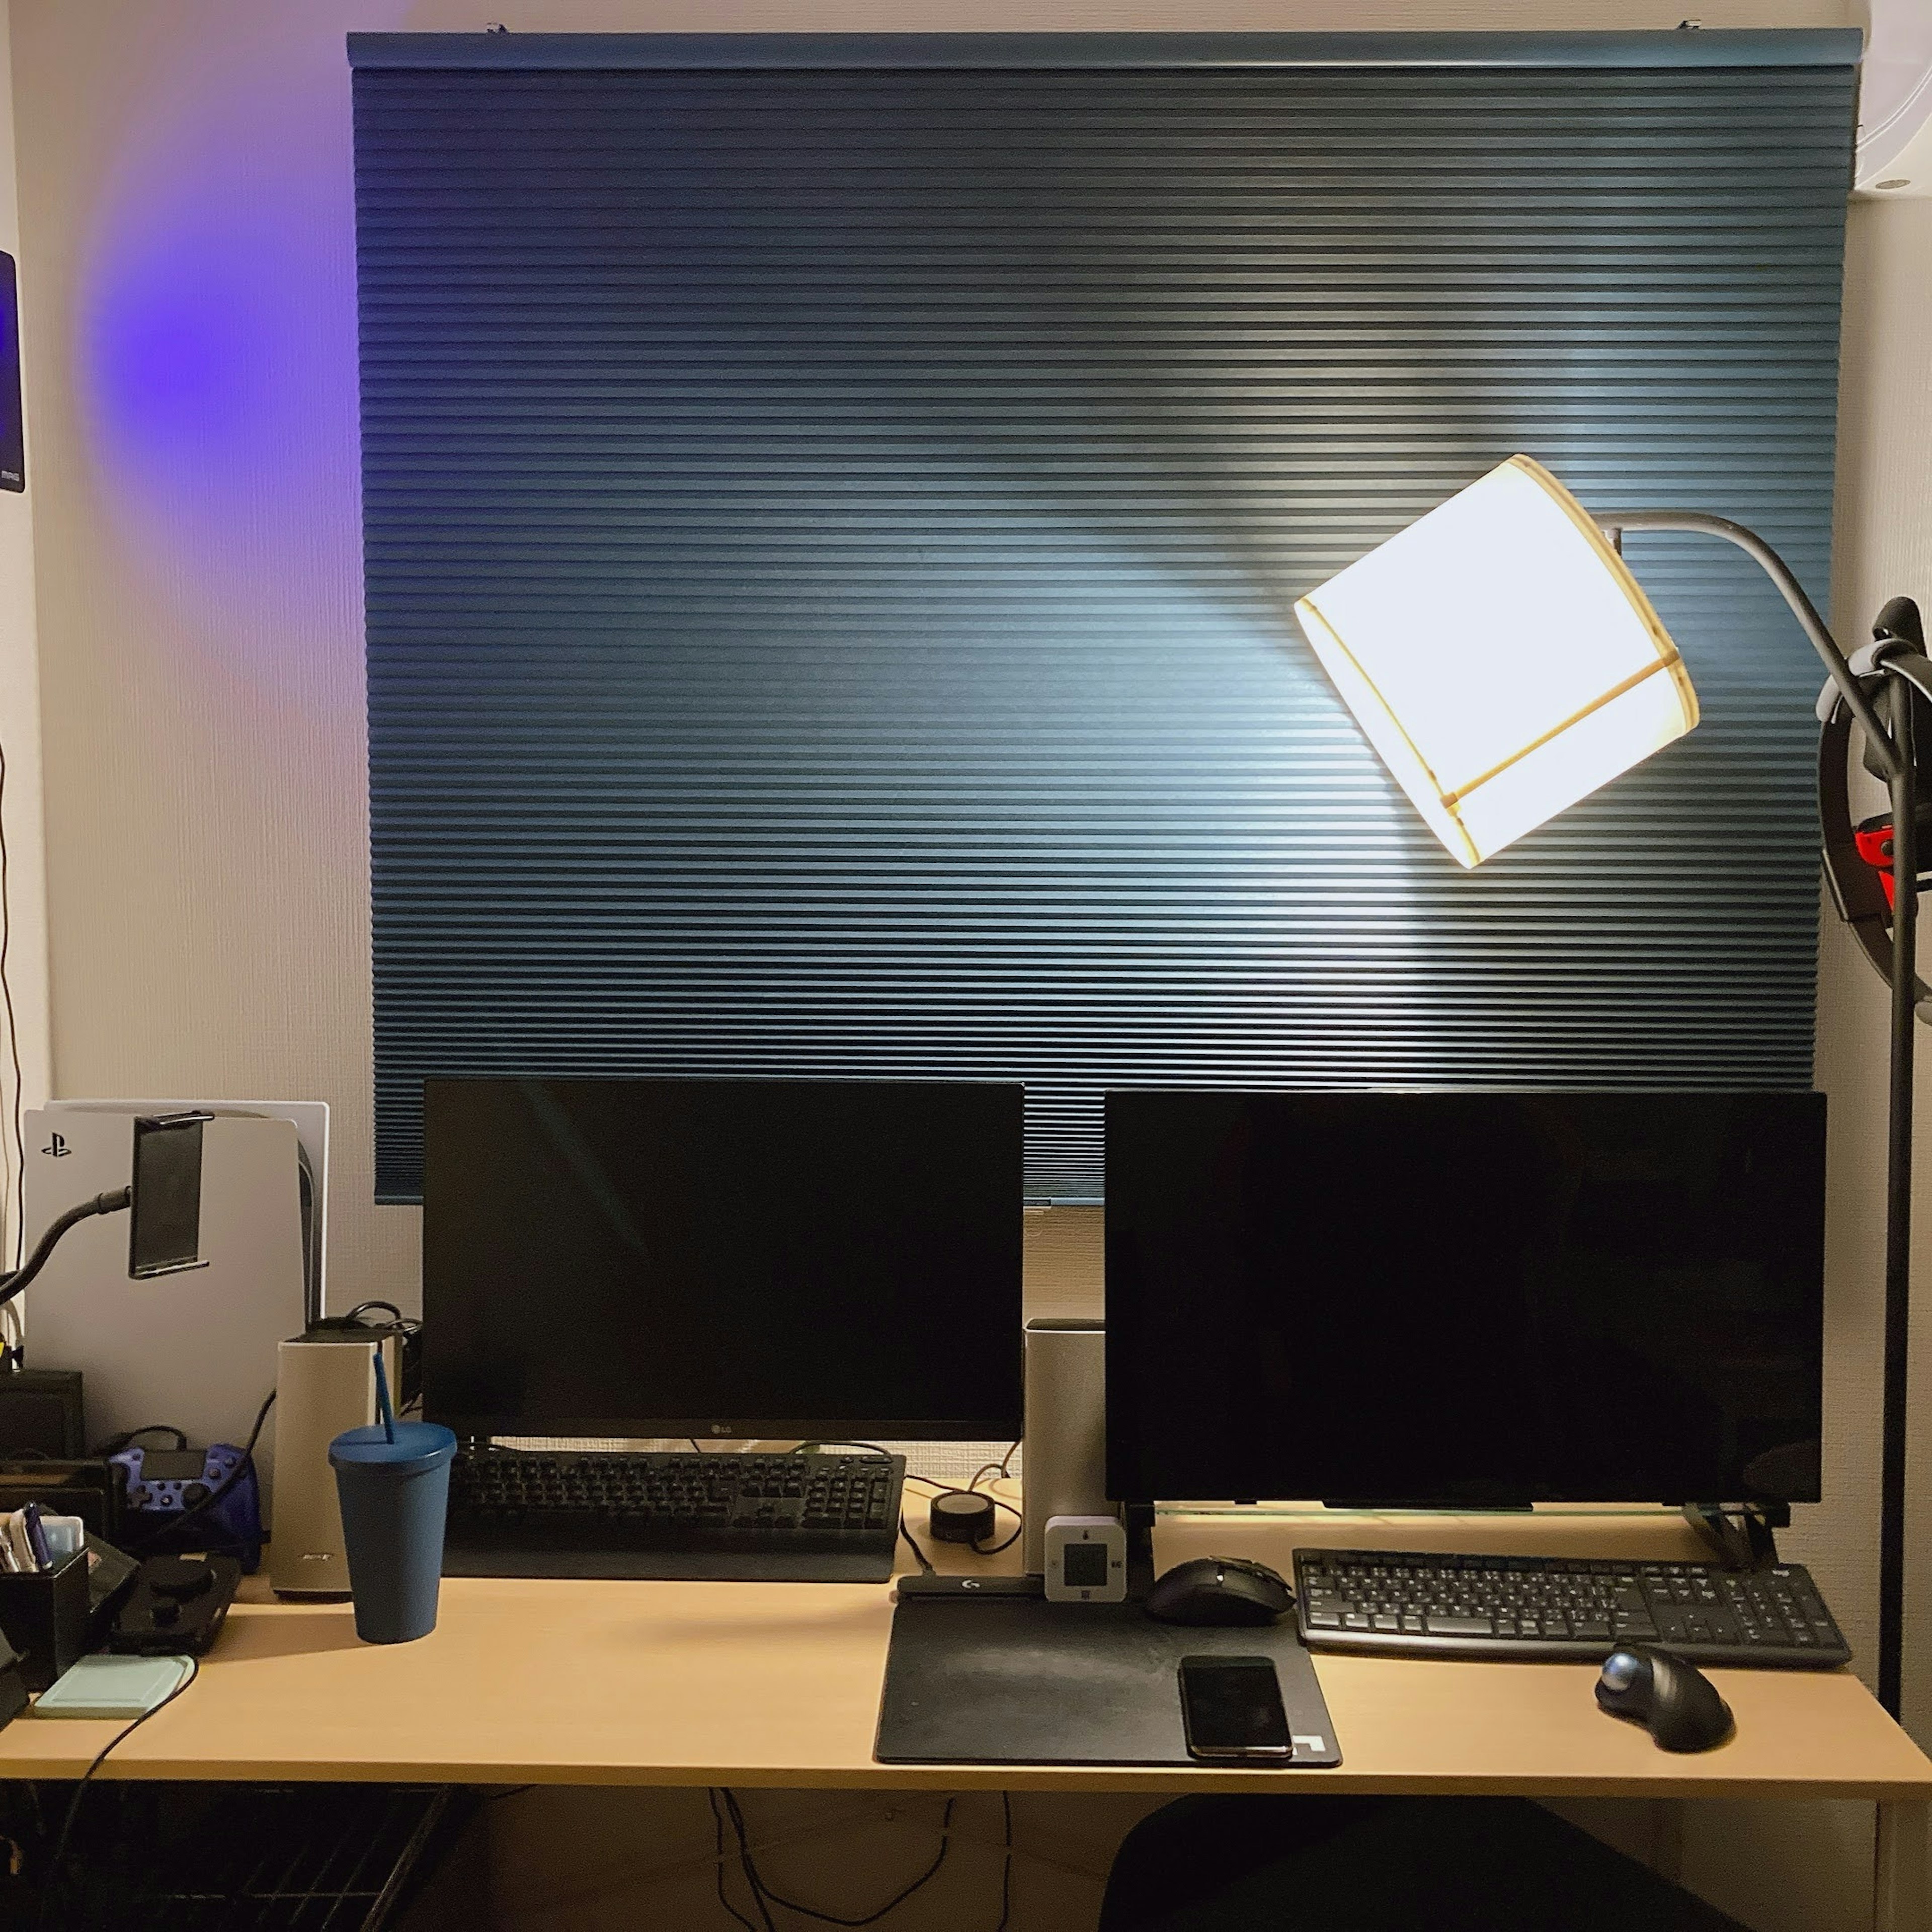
[(1219, 1590), (1674, 1701)]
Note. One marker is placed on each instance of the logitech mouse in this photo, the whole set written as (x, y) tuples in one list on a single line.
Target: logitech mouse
[(1674, 1701), (1219, 1590)]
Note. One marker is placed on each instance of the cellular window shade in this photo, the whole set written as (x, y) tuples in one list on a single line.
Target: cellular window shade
[(834, 508)]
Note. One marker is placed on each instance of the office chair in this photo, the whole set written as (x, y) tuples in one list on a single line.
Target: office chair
[(1384, 1864)]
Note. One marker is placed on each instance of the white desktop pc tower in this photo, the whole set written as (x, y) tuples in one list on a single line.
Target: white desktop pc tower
[(325, 1383), (1066, 1467)]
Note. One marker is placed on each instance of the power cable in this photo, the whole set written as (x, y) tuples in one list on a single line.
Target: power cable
[(54, 1863)]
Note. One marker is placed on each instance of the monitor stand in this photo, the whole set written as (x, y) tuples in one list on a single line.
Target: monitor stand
[(1138, 1519), (1751, 1543)]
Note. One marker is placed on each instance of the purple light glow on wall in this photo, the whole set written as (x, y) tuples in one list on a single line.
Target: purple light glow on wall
[(215, 350)]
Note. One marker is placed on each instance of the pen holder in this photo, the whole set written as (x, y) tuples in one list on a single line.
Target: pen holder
[(43, 1614)]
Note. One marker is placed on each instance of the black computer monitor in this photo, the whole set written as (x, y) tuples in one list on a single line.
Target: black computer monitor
[(1465, 1297), (722, 1258)]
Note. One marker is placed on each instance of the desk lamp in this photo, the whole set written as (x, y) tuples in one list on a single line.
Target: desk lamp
[(1503, 661)]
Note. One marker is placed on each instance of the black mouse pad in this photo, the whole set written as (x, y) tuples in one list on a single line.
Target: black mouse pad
[(1020, 1680)]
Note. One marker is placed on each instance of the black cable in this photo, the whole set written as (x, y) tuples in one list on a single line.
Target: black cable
[(80, 1791), (765, 1894), (12, 1029), (1007, 1870), (388, 1308), (925, 1560), (744, 1857), (110, 1203), (174, 1523), (114, 1444)]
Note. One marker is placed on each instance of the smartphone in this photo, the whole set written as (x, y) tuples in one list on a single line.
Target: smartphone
[(1232, 1708), (166, 1235)]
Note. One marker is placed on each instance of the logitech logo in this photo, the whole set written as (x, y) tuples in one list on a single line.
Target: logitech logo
[(57, 1146)]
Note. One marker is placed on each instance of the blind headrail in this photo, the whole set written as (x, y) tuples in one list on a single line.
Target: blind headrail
[(1678, 47)]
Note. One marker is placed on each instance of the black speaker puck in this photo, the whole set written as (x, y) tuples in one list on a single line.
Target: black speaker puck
[(960, 1516)]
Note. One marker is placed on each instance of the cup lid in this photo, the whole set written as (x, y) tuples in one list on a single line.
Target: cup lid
[(417, 1446)]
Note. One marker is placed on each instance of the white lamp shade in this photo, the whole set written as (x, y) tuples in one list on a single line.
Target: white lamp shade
[(1501, 658)]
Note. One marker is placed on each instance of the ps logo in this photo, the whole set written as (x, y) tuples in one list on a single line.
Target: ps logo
[(57, 1146)]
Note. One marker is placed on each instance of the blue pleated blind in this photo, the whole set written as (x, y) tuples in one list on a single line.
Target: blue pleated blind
[(833, 510)]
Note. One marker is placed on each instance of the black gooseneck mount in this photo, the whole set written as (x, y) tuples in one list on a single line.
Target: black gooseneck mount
[(111, 1203)]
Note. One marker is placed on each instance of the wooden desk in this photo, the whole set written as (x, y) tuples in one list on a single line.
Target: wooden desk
[(528, 1682)]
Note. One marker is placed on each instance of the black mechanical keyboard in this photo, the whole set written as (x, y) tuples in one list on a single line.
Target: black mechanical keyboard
[(814, 1517), (1409, 1603)]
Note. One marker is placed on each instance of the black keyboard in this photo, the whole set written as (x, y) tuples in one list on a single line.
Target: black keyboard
[(1409, 1603), (815, 1517)]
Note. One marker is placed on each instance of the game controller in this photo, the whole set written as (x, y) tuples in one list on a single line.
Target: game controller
[(165, 1485)]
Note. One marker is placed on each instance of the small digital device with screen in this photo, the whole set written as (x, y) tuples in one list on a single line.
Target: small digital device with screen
[(1086, 1560), (165, 1234), (1232, 1708)]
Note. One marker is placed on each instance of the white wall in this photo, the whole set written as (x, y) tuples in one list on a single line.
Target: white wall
[(188, 270), (20, 804)]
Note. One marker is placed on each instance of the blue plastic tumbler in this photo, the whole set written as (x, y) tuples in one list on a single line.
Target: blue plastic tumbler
[(392, 1479)]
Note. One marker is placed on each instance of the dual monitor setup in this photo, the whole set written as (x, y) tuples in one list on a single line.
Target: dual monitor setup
[(1433, 1298)]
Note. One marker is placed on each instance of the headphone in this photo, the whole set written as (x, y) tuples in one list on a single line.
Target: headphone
[(1857, 855)]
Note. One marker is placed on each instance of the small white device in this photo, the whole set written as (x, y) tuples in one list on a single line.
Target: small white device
[(1086, 1560)]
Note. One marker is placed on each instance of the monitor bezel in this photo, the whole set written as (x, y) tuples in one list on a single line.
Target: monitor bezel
[(732, 1429), (1492, 1499), (739, 1426)]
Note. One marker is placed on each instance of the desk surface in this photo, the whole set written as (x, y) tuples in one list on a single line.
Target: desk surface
[(778, 1684)]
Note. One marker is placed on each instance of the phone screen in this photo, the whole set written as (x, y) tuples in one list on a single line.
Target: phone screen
[(1231, 1706), (165, 1235)]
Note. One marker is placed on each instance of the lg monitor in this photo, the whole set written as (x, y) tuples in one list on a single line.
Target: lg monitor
[(1465, 1297), (722, 1258)]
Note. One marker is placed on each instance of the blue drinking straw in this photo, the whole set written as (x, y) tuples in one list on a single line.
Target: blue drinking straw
[(383, 1406)]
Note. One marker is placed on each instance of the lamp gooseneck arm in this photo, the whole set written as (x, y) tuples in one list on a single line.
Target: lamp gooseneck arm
[(1886, 753)]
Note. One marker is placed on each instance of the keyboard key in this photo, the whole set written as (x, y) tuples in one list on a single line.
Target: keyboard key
[(1458, 1626)]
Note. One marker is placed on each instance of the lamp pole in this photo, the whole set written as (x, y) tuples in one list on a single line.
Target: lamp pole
[(1897, 1203), (1898, 668)]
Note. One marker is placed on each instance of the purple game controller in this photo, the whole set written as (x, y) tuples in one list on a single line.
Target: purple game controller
[(165, 1485)]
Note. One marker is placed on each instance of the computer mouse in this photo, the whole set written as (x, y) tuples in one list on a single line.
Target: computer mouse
[(1219, 1590), (1674, 1701)]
